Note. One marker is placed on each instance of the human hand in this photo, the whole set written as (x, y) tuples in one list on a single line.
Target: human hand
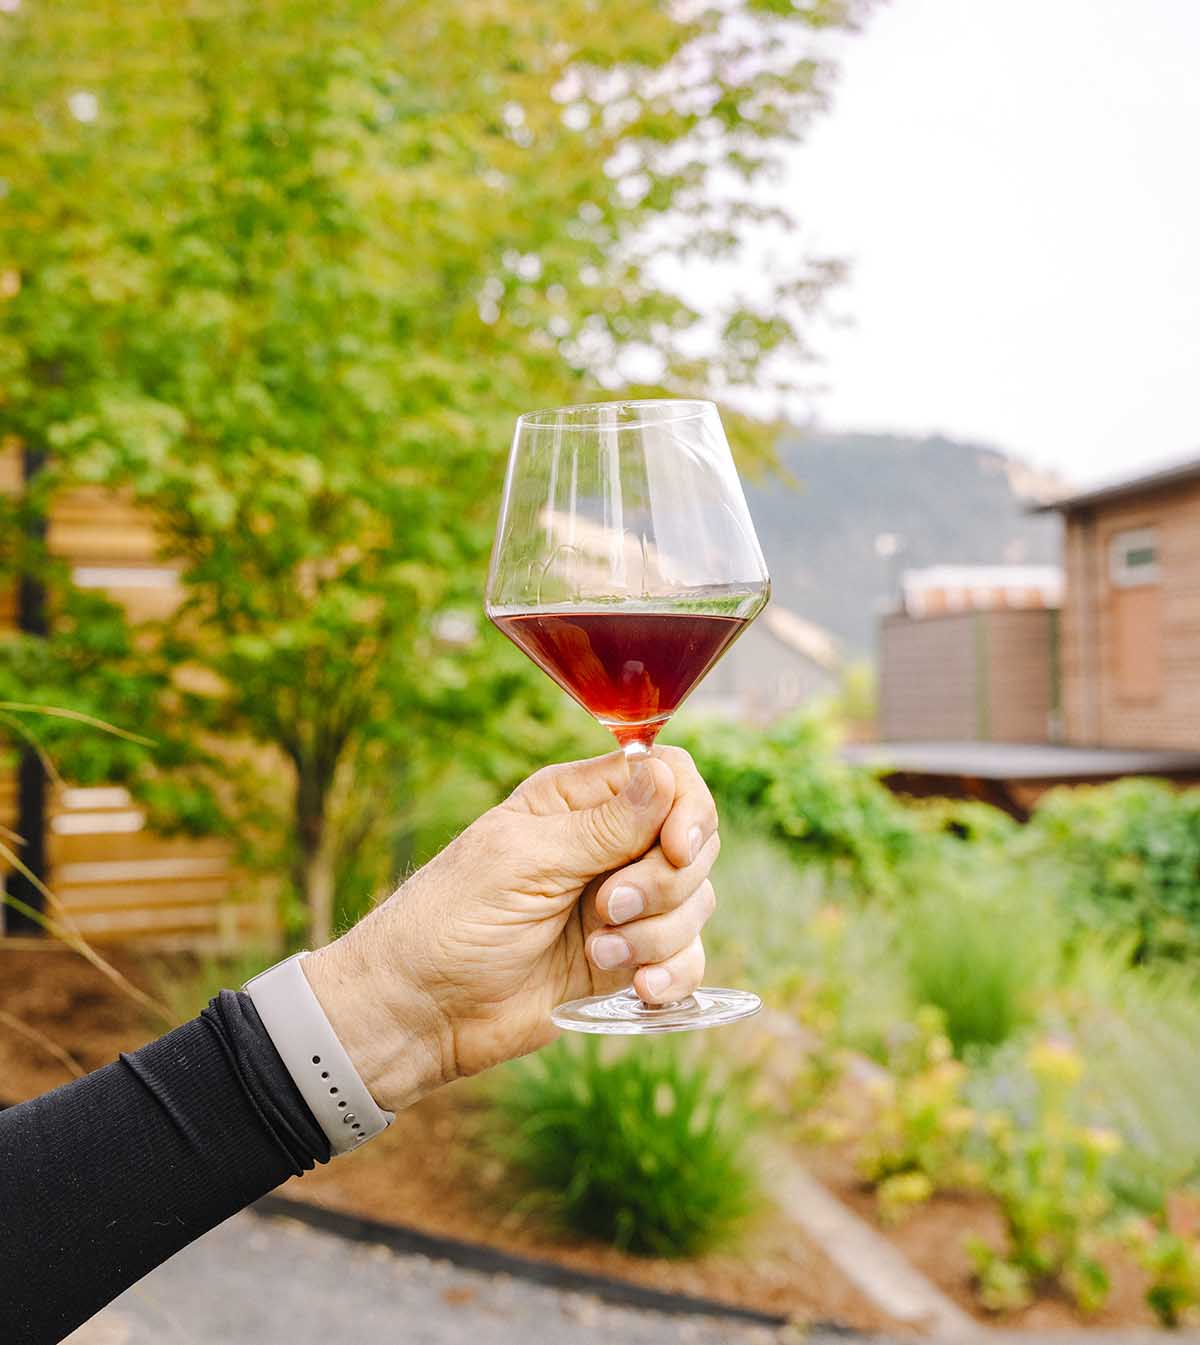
[(583, 881)]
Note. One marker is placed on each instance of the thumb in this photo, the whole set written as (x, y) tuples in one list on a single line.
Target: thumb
[(624, 827)]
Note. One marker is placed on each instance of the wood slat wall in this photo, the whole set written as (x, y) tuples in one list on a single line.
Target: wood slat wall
[(115, 879), (985, 675), (1102, 707)]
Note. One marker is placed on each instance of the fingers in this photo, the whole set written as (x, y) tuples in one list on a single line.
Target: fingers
[(653, 884), (622, 827), (693, 816), (675, 978), (656, 938)]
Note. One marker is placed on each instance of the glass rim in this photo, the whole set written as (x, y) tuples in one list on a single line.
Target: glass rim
[(689, 408)]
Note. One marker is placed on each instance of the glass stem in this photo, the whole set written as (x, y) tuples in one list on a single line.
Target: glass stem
[(636, 752)]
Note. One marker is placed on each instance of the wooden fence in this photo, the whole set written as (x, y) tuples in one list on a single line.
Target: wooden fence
[(117, 879)]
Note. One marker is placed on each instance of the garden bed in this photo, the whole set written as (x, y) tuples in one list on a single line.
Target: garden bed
[(424, 1172), (933, 1238), (54, 994)]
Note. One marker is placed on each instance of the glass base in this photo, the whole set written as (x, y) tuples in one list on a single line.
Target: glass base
[(625, 1014)]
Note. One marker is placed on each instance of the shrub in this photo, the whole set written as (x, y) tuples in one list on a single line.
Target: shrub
[(917, 1142), (978, 950), (638, 1147), (1051, 1177), (1129, 857), (1137, 1026), (1173, 1264), (791, 780)]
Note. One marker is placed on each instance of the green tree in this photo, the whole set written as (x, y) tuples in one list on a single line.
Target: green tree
[(287, 272)]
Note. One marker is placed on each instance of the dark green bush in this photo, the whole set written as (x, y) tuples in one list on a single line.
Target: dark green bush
[(638, 1148), (1126, 857), (791, 779)]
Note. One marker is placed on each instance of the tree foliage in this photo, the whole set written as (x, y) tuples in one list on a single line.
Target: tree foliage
[(286, 273)]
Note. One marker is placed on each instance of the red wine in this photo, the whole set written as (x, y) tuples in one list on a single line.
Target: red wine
[(631, 670)]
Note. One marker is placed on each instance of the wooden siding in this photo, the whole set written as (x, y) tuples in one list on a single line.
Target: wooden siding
[(115, 879), (974, 676), (927, 672), (1021, 663), (1116, 694)]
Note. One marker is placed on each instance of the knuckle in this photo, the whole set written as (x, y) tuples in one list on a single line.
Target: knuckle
[(604, 831), (706, 896)]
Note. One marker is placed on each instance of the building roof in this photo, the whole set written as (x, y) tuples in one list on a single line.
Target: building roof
[(802, 636), (1121, 488), (949, 590), (1019, 761)]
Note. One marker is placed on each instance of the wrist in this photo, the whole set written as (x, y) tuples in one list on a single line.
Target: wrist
[(394, 1034)]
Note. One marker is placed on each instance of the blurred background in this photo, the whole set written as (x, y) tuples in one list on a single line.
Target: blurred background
[(275, 282)]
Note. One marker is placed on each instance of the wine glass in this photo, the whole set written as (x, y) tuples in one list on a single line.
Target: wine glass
[(625, 564)]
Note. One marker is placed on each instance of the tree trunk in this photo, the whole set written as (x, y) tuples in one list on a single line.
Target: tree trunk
[(314, 865), (318, 897)]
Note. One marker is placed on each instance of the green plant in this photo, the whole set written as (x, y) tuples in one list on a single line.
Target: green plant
[(918, 1138), (185, 983), (791, 780), (1173, 1263), (1128, 855), (979, 950), (1051, 1176), (638, 1148), (300, 329), (1137, 1027)]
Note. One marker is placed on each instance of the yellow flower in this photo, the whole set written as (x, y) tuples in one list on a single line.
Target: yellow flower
[(1101, 1140), (1056, 1061), (958, 1120)]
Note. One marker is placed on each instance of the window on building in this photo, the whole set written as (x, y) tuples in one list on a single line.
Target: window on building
[(1133, 558), (1136, 608)]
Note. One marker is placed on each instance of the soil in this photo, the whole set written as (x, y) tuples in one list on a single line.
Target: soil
[(429, 1161), (60, 1000), (424, 1172), (934, 1236)]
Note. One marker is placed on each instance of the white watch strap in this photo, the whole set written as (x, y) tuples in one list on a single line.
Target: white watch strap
[(313, 1056)]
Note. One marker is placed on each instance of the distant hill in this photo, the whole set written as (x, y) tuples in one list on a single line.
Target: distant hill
[(946, 502)]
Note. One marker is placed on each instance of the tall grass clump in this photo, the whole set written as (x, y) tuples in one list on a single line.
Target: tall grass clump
[(642, 1149), (979, 951), (185, 983)]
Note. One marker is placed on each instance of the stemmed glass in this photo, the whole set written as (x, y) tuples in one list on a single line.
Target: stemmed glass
[(625, 564)]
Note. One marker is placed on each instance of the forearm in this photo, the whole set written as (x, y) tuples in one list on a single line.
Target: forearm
[(106, 1177)]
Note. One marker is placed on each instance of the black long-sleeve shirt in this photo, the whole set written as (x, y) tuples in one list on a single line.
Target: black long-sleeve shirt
[(104, 1178)]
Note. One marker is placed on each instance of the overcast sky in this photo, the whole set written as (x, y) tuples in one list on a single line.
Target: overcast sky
[(1017, 185)]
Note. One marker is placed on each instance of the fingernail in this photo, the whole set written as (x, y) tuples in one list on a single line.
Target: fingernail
[(640, 789), (610, 951), (656, 980), (624, 904), (695, 842)]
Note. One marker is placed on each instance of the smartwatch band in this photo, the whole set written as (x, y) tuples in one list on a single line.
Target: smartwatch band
[(313, 1056)]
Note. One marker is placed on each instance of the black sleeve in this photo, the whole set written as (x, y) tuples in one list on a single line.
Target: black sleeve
[(106, 1177)]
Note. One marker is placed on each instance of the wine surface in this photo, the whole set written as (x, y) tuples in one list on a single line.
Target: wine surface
[(629, 669)]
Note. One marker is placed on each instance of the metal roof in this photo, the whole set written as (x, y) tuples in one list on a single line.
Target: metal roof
[(1020, 761), (1159, 479)]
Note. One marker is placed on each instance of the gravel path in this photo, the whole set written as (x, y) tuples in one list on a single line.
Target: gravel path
[(274, 1282)]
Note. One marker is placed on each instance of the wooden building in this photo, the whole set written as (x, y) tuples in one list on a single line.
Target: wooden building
[(1130, 641), (982, 700), (971, 656), (114, 878)]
